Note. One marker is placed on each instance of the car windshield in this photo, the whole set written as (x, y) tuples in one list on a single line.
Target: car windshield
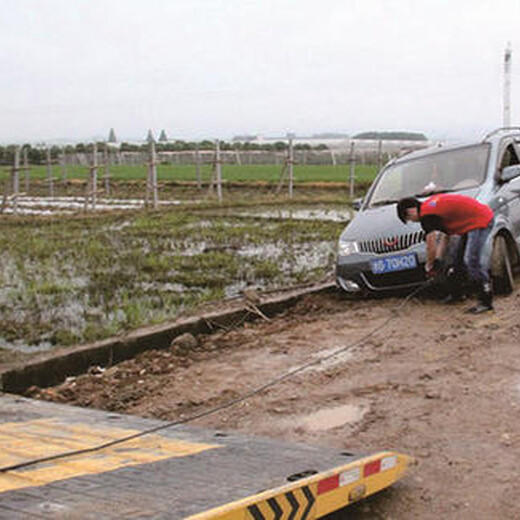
[(444, 171)]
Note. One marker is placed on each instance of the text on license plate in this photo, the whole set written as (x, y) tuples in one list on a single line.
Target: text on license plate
[(394, 263)]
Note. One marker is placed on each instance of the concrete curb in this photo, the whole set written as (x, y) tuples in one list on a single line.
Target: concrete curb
[(51, 369)]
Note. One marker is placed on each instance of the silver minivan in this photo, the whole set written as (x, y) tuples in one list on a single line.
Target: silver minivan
[(377, 252)]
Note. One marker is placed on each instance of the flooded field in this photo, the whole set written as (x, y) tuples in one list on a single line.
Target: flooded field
[(86, 277)]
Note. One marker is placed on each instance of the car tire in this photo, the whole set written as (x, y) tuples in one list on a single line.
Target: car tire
[(501, 268)]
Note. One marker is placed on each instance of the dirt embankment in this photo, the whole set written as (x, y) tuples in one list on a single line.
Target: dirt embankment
[(435, 383)]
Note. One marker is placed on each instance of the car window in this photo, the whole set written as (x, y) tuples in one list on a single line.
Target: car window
[(450, 170), (509, 157)]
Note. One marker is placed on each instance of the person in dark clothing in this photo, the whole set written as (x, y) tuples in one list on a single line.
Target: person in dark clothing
[(454, 214)]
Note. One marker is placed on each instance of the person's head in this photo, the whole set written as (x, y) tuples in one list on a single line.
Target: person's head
[(408, 209)]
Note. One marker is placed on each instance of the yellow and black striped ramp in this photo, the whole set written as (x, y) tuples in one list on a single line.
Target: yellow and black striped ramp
[(181, 472)]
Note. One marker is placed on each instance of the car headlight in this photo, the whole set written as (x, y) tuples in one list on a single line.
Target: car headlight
[(347, 247)]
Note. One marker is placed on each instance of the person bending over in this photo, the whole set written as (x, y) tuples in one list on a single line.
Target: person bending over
[(454, 214)]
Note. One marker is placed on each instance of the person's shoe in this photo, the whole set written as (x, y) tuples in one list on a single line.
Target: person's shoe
[(480, 308), (485, 300)]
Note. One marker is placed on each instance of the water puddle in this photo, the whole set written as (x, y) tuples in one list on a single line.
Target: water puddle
[(68, 205), (329, 418), (333, 215), (24, 348)]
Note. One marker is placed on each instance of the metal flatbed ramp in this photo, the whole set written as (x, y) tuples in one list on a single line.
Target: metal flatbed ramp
[(178, 472)]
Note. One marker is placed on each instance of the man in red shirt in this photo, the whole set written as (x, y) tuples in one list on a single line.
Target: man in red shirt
[(454, 214)]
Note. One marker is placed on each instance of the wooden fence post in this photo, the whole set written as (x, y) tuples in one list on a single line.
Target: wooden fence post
[(352, 169), (197, 167), (91, 189), (26, 168), (333, 157), (379, 155), (49, 172), (218, 170), (151, 184), (16, 179), (106, 162), (63, 162), (290, 161)]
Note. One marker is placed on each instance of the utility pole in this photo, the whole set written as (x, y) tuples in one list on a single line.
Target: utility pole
[(507, 86)]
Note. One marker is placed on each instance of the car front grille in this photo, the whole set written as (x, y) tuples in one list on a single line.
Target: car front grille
[(384, 245)]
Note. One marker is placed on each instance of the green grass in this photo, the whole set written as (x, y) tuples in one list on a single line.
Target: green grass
[(232, 173), (82, 278)]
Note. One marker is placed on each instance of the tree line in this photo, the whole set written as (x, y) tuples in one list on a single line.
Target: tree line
[(37, 154)]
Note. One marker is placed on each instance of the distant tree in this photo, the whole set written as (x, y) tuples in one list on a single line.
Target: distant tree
[(35, 155), (225, 146), (150, 137), (392, 136), (162, 137), (127, 147), (112, 136), (55, 152), (207, 145)]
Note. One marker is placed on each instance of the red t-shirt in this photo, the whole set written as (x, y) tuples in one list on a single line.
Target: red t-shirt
[(457, 214)]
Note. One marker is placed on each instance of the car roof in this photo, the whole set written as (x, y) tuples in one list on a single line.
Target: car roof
[(492, 137)]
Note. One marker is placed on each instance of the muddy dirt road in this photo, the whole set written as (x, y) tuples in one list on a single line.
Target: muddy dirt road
[(434, 382)]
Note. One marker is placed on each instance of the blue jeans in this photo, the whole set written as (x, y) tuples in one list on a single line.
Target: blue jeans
[(478, 253)]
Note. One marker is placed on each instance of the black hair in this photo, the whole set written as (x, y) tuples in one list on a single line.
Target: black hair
[(407, 203)]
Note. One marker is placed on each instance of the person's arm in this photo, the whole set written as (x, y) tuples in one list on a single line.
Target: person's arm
[(436, 240), (436, 245), (431, 250)]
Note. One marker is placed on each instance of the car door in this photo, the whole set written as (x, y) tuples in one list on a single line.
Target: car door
[(510, 190)]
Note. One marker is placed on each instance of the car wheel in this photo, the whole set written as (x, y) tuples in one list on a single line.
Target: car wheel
[(501, 269)]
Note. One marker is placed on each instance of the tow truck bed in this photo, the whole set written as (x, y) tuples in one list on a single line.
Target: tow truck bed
[(178, 472)]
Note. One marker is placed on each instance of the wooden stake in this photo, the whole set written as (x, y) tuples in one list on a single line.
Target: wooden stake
[(291, 167), (49, 172), (352, 169), (151, 184), (63, 162), (26, 168), (218, 170), (106, 156), (16, 179), (379, 155), (197, 167)]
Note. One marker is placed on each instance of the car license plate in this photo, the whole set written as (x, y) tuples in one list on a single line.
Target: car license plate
[(393, 263)]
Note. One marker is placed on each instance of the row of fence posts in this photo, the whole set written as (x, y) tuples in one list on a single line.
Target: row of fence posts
[(151, 198)]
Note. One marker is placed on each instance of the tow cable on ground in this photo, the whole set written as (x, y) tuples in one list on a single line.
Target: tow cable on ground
[(227, 404)]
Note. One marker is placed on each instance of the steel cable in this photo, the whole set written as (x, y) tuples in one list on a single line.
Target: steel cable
[(227, 404)]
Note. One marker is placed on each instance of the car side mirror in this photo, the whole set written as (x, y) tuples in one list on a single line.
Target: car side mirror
[(357, 203), (509, 173)]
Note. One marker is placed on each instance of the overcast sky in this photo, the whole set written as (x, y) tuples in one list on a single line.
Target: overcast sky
[(72, 69)]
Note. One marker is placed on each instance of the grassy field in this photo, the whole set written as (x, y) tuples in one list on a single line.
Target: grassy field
[(232, 173), (82, 278)]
